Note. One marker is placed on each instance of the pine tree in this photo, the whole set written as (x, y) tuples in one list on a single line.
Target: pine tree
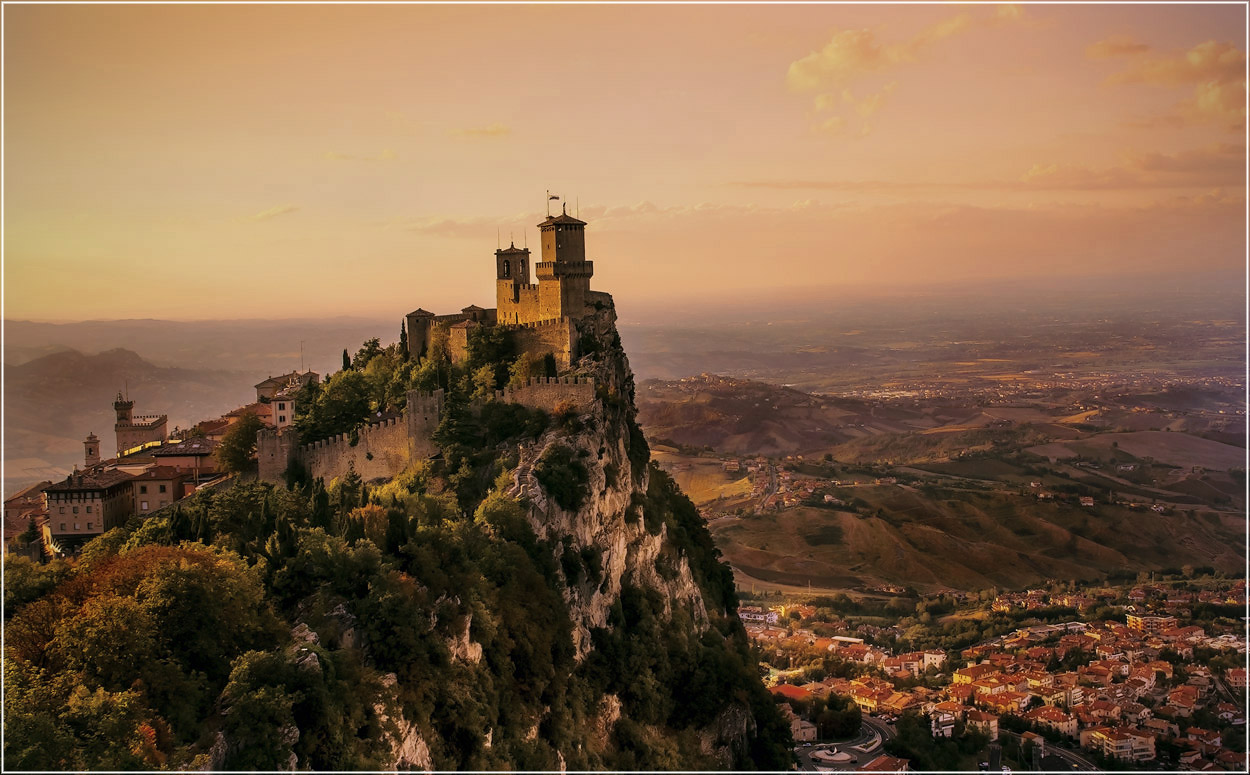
[(347, 361), (403, 340), (321, 505)]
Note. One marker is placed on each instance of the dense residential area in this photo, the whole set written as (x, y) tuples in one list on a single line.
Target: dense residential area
[(1149, 675)]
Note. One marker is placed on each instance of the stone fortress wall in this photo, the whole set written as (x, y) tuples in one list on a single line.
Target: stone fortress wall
[(543, 318), (385, 449)]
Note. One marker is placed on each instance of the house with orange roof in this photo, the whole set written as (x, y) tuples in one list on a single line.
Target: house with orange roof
[(792, 692)]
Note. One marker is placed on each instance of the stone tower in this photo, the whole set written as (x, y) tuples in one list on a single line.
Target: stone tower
[(512, 273), (92, 450), (124, 408), (419, 330), (564, 273)]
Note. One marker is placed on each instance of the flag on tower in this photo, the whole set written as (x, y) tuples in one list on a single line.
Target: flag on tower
[(551, 196)]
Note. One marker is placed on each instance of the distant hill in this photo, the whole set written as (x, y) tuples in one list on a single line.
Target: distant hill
[(52, 402), (259, 346)]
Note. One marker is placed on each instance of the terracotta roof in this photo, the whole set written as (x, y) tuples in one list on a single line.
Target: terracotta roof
[(552, 220), (420, 313), (792, 692), (90, 480)]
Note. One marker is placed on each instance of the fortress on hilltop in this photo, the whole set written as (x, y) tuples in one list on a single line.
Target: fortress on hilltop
[(545, 319), (542, 315)]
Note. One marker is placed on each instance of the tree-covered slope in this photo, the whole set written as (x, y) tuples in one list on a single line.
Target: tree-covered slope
[(480, 611)]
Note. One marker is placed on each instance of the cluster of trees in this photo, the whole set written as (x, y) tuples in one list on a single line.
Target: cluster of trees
[(180, 634), (915, 741)]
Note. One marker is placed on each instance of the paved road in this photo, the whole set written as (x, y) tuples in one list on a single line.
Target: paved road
[(1069, 756), (870, 730)]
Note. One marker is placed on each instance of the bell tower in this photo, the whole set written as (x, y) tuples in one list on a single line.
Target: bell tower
[(91, 450), (564, 273), (512, 269)]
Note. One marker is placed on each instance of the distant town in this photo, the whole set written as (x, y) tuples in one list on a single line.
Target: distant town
[(153, 467), (1162, 684)]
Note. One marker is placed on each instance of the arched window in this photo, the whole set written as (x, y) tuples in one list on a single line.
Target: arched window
[(507, 268)]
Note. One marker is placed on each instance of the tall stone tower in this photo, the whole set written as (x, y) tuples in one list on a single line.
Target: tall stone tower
[(512, 273), (124, 408), (91, 449), (564, 273)]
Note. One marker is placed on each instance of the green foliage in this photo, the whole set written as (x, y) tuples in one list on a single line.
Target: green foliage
[(341, 404), (524, 368), (238, 444), (367, 352), (490, 346), (173, 628), (26, 580), (117, 668), (563, 476)]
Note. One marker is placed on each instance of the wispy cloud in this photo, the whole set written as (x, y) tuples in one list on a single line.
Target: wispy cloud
[(1212, 166), (494, 130), (1116, 46), (1215, 71), (272, 212), (854, 54)]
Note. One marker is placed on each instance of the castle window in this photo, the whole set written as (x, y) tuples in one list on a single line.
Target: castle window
[(143, 489), (507, 268), (75, 511), (143, 505), (162, 488), (62, 527), (88, 509)]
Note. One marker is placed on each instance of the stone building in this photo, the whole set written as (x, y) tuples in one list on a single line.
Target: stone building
[(135, 431), (157, 487), (543, 315), (87, 504), (270, 387)]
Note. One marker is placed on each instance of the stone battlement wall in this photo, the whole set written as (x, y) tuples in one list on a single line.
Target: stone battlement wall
[(542, 323), (383, 449), (547, 336), (547, 393), (146, 421), (381, 452)]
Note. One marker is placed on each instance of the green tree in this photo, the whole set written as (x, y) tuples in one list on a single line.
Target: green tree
[(238, 444), (347, 360), (403, 339), (367, 352)]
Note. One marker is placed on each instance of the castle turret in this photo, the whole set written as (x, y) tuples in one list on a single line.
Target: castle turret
[(564, 273), (419, 325), (512, 272), (92, 450), (124, 409), (135, 431)]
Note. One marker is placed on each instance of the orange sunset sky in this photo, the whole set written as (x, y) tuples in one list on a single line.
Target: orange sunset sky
[(166, 161)]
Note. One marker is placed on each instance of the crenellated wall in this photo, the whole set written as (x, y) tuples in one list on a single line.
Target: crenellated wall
[(547, 393), (383, 449), (557, 337), (381, 452)]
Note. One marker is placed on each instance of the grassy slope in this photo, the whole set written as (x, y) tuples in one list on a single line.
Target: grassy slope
[(976, 541)]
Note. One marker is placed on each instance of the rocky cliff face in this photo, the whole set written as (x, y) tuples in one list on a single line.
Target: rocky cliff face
[(634, 549), (607, 441)]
